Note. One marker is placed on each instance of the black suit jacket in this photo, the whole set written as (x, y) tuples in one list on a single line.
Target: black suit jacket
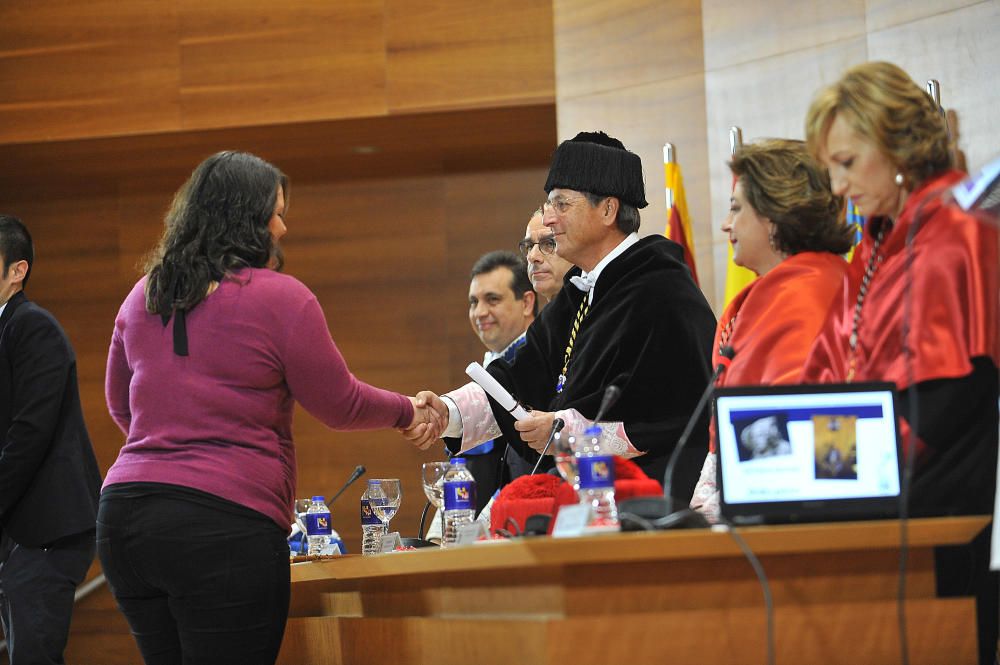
[(49, 480)]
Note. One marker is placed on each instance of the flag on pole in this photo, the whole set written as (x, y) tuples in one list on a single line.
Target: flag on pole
[(853, 218), (737, 277), (678, 221)]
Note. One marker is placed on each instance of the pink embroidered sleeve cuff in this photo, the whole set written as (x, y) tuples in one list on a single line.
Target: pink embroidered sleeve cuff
[(477, 422), (614, 436)]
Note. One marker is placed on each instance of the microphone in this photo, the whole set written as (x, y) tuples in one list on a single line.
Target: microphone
[(611, 395), (359, 471), (726, 354), (660, 512)]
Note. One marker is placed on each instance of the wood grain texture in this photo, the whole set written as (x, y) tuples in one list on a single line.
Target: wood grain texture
[(881, 14), (67, 70), (604, 46), (252, 63), (745, 95), (833, 587), (75, 70), (954, 47), (444, 55), (375, 252), (344, 150), (644, 117), (737, 33)]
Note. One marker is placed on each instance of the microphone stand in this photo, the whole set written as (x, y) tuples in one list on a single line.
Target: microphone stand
[(611, 395), (557, 426), (646, 512), (359, 471)]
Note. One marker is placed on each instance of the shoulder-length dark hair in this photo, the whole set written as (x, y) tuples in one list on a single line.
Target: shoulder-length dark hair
[(785, 184), (218, 222)]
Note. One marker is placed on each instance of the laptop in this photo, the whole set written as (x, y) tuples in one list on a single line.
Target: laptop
[(807, 453)]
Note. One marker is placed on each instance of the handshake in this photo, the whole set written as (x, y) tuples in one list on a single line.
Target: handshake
[(430, 418)]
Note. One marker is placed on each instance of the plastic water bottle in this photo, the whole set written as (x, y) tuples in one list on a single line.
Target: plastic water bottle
[(318, 530), (459, 500), (372, 528), (597, 481)]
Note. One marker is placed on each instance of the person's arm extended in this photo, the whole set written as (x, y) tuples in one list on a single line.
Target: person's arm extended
[(319, 379)]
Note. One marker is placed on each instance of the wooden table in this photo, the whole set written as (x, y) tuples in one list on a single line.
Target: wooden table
[(669, 597)]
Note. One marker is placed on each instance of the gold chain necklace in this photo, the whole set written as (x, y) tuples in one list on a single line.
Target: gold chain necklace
[(873, 262), (580, 314)]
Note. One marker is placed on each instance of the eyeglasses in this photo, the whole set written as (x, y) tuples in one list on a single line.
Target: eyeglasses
[(546, 246), (560, 205)]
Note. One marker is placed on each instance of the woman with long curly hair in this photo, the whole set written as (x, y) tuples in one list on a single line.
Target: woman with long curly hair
[(210, 351)]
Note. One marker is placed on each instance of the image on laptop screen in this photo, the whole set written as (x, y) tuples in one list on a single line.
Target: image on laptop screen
[(807, 453)]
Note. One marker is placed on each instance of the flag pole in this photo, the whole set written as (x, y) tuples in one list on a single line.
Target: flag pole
[(735, 140), (669, 157), (934, 90)]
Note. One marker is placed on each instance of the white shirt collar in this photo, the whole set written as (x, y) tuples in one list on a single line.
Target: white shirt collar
[(587, 280), (2, 308)]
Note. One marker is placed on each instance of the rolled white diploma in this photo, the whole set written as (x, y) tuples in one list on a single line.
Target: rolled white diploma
[(496, 391)]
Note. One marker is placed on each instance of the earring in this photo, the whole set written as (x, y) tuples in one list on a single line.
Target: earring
[(770, 238), (899, 180)]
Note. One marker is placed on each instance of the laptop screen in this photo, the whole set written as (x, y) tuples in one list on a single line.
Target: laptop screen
[(809, 453)]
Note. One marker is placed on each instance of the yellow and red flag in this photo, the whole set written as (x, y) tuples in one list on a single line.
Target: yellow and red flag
[(737, 277), (678, 221)]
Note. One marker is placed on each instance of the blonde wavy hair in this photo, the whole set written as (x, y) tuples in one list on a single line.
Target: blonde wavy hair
[(785, 184), (883, 104)]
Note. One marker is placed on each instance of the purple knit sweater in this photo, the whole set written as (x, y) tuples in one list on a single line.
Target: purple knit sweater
[(220, 419)]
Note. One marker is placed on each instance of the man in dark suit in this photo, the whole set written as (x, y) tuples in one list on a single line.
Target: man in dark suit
[(49, 480)]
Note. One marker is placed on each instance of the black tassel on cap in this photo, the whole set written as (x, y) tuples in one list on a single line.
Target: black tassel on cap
[(599, 164)]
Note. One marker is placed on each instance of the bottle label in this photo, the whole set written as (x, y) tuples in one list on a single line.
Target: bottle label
[(597, 472), (318, 524), (460, 495), (368, 516)]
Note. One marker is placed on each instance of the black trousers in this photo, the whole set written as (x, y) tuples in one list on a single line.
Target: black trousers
[(198, 585), (36, 595)]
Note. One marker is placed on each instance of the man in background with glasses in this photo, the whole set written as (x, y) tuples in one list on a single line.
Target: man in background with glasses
[(546, 269), (629, 314)]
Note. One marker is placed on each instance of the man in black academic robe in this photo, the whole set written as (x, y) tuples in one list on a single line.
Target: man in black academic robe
[(629, 314)]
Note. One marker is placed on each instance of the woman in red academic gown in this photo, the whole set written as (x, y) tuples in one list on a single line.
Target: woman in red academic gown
[(930, 326), (784, 224)]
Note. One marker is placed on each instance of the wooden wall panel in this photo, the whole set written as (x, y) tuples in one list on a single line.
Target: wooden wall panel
[(387, 258), (483, 213), (748, 31), (764, 64), (635, 69), (959, 49), (252, 63), (612, 45), (883, 14), (644, 118), (744, 95), (441, 55), (74, 70), (66, 70)]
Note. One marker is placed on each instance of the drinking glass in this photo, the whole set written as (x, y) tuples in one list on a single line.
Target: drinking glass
[(433, 479), (564, 447), (384, 499)]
